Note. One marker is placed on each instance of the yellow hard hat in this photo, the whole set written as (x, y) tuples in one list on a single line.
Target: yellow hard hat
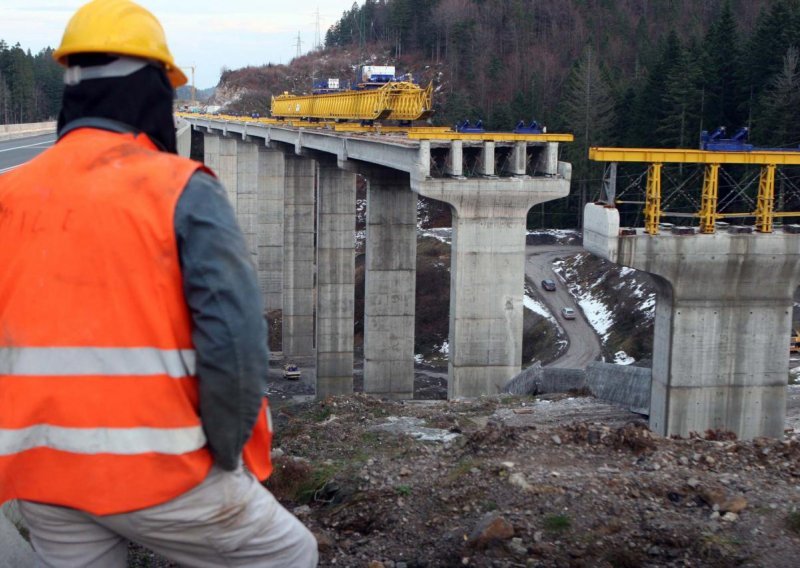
[(118, 27)]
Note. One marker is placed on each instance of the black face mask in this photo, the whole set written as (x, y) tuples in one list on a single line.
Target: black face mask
[(142, 100)]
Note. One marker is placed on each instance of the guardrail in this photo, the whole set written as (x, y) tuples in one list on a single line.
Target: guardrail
[(11, 131)]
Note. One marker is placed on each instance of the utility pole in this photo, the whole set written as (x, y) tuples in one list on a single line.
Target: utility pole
[(194, 89), (317, 37), (299, 45)]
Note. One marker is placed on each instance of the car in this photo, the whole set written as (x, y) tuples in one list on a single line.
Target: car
[(291, 372), (549, 285), (568, 313)]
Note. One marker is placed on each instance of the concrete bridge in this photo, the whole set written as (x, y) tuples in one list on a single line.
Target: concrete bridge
[(294, 192)]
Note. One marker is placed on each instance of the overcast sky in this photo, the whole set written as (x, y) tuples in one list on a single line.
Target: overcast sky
[(204, 33)]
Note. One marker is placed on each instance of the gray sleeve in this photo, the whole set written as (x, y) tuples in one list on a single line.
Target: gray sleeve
[(228, 328)]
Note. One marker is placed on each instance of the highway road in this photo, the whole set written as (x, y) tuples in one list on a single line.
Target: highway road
[(584, 345), (16, 152)]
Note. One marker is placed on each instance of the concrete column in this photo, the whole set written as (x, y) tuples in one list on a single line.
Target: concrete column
[(211, 152), (723, 316), (547, 161), (486, 166), (518, 160), (298, 257), (390, 286), (227, 168), (271, 184), (247, 193), (455, 159), (487, 275), (336, 203)]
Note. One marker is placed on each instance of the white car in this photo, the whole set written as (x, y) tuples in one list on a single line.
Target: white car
[(568, 313)]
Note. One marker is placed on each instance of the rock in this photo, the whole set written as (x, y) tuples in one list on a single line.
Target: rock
[(735, 505), (490, 528), (301, 510), (404, 471), (556, 439), (516, 547), (324, 541), (593, 438), (518, 479), (276, 453), (537, 536), (376, 564), (693, 482), (730, 517)]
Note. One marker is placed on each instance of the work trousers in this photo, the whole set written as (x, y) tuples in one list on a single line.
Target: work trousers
[(228, 520)]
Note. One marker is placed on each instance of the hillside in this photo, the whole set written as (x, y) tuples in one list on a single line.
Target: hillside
[(624, 73)]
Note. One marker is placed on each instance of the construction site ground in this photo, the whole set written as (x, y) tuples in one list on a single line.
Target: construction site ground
[(555, 480)]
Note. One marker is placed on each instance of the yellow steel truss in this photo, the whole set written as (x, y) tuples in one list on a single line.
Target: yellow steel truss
[(765, 208), (708, 204), (682, 156), (652, 207), (393, 101), (769, 160)]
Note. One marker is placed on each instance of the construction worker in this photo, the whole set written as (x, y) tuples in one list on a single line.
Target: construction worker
[(132, 344)]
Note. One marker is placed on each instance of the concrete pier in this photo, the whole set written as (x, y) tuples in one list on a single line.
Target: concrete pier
[(336, 204), (389, 298), (487, 275), (270, 225), (723, 316), (248, 191), (298, 257)]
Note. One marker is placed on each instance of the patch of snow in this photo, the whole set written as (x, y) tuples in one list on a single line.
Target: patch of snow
[(622, 358), (626, 271), (443, 234), (418, 358), (599, 317), (413, 427), (537, 307), (444, 348)]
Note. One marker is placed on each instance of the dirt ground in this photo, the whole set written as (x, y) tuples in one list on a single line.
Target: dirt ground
[(557, 480)]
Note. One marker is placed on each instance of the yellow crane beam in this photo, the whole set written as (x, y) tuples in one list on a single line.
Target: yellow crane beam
[(393, 101), (765, 211), (687, 156), (489, 136)]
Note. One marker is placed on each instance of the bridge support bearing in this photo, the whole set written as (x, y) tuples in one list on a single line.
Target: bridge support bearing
[(487, 275), (720, 355), (298, 257), (336, 202), (389, 298)]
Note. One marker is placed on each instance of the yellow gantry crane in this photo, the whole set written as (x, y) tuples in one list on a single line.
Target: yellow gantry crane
[(768, 160), (396, 100)]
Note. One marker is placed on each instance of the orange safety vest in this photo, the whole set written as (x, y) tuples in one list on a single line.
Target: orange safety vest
[(98, 395)]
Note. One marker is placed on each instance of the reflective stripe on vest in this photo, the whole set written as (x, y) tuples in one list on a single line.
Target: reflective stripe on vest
[(117, 441), (94, 361)]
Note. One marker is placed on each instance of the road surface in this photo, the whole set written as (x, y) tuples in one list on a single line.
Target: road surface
[(584, 345), (16, 152)]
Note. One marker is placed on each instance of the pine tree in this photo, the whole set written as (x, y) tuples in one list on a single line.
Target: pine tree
[(679, 121), (722, 72), (779, 124)]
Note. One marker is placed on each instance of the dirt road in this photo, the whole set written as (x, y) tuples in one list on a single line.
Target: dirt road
[(584, 345)]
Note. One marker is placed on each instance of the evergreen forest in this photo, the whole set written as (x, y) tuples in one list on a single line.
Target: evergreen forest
[(30, 85)]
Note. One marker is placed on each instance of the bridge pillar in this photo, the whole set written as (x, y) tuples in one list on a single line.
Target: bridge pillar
[(298, 257), (246, 195), (336, 205), (487, 275), (270, 229), (723, 315), (389, 299)]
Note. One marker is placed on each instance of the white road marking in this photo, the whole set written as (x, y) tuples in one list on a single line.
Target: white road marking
[(9, 169), (28, 146)]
